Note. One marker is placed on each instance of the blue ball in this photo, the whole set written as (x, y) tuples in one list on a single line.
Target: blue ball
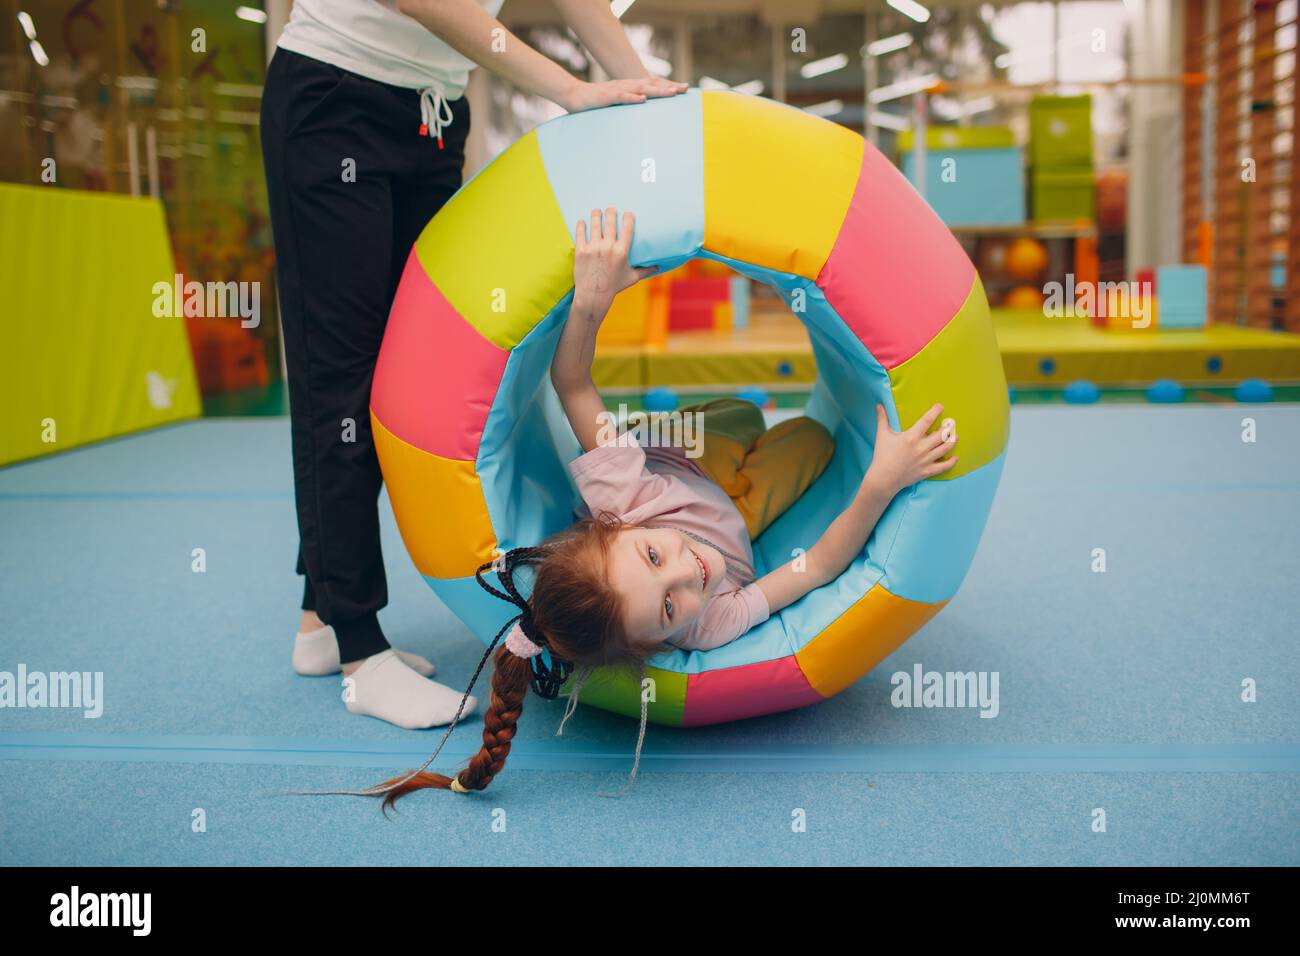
[(754, 394), (660, 399), (1253, 391), (1213, 364), (1165, 391), (1082, 392), (1047, 366), (784, 369)]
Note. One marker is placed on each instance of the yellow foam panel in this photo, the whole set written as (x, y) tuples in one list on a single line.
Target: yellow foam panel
[(962, 369), (439, 507), (860, 638), (514, 214), (777, 182)]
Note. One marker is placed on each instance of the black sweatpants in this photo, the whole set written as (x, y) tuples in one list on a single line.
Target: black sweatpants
[(351, 184)]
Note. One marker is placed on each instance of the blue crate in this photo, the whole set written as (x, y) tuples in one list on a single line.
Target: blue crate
[(989, 189), (1182, 297)]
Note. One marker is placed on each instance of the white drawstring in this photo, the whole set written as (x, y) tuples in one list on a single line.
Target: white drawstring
[(432, 106)]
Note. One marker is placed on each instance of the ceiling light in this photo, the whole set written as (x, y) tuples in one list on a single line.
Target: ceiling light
[(890, 121), (899, 41), (825, 65), (829, 108), (910, 8), (903, 88)]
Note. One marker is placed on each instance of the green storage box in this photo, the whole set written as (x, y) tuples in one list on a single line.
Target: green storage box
[(1060, 131), (959, 137), (1058, 193)]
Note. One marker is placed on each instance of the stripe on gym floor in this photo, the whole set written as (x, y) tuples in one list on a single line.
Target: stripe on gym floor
[(578, 756)]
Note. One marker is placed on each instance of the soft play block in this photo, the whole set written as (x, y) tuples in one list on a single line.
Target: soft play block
[(1182, 296), (692, 300), (1116, 308), (1060, 130), (691, 316), (702, 288), (960, 137), (1062, 193), (722, 317), (740, 299), (625, 322), (973, 187)]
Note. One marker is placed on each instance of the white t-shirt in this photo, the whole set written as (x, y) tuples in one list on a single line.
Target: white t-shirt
[(374, 39)]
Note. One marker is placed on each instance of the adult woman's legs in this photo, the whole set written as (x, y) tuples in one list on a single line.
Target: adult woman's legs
[(332, 286), (309, 621), (333, 144)]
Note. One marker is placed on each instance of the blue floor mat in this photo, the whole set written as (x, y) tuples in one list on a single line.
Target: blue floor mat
[(1121, 689)]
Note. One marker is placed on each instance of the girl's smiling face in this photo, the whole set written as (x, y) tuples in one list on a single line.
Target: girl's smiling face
[(665, 579)]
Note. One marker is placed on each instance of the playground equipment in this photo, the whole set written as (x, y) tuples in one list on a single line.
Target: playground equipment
[(474, 448)]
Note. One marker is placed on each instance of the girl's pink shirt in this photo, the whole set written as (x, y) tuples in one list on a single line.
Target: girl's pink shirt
[(661, 486)]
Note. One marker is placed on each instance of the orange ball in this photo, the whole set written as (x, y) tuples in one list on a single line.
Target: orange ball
[(1026, 258), (1023, 297)]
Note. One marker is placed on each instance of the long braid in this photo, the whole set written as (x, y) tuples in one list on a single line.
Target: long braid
[(519, 665), (510, 682), (509, 686)]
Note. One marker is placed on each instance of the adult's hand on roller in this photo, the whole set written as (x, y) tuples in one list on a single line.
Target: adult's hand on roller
[(904, 458), (600, 266), (590, 96)]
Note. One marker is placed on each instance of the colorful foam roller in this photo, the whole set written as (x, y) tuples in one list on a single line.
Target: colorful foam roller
[(474, 446)]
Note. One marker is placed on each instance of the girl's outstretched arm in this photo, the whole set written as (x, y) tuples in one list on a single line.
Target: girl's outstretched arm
[(571, 373), (600, 272), (900, 459)]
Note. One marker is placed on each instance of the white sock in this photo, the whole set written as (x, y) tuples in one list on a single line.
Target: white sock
[(316, 654), (385, 687)]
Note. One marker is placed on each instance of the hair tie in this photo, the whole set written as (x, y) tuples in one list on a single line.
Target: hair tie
[(519, 644), (549, 671)]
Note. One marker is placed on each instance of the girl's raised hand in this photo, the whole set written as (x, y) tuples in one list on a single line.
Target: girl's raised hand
[(600, 266), (906, 457)]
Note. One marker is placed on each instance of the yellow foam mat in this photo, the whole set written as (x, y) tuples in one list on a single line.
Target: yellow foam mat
[(94, 343), (753, 355), (1079, 350), (739, 367)]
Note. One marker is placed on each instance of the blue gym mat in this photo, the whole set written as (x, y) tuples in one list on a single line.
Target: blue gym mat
[(1120, 691)]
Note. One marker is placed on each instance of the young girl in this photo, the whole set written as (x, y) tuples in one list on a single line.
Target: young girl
[(666, 558)]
